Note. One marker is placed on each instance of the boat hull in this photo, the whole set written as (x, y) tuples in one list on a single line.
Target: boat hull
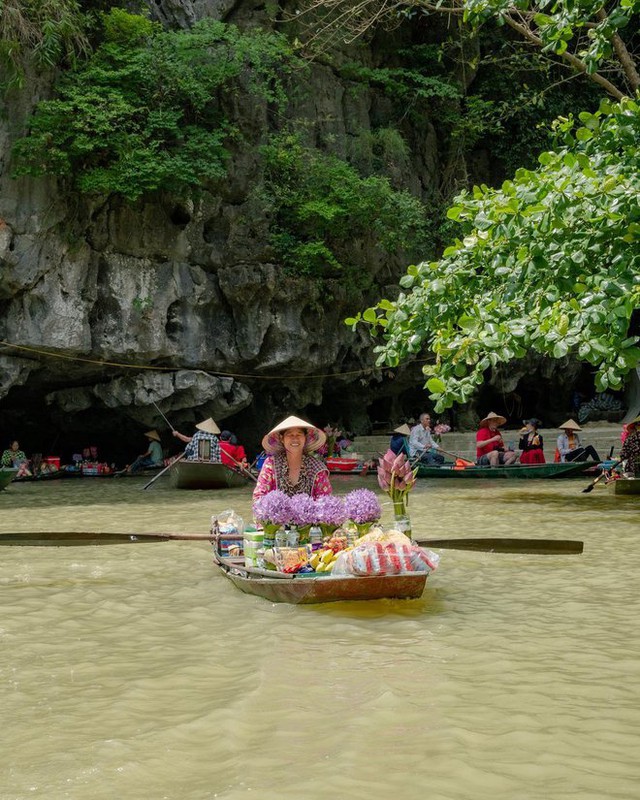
[(205, 475), (298, 589), (627, 486), (512, 472), (7, 474)]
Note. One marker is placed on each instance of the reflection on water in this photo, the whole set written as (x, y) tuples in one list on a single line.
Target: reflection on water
[(138, 672)]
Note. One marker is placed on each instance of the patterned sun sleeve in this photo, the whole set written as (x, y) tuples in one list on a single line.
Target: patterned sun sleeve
[(266, 479), (321, 485)]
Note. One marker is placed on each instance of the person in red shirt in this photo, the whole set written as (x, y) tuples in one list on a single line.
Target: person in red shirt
[(490, 447), (232, 453)]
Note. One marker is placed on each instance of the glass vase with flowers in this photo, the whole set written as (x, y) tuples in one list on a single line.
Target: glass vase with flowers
[(397, 478)]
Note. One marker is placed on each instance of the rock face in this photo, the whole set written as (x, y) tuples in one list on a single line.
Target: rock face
[(125, 310)]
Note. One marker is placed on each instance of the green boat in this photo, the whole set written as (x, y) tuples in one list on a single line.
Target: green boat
[(569, 469), (206, 475), (7, 474), (627, 486)]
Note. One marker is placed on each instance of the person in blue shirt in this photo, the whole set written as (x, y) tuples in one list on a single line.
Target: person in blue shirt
[(400, 440), (152, 457)]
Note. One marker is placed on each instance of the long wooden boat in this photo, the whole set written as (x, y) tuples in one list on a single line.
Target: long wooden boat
[(627, 486), (511, 472), (205, 475), (7, 474), (304, 589)]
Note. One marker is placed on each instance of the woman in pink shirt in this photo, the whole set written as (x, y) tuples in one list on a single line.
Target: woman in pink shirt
[(289, 466)]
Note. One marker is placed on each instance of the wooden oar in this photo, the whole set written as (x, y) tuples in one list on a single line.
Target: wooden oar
[(490, 545), (465, 461), (499, 545), (243, 470), (589, 488), (155, 477)]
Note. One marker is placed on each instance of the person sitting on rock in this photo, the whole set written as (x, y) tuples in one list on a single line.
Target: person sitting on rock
[(204, 445)]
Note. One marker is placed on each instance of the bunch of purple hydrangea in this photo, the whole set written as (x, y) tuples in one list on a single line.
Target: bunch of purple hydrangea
[(273, 507), (362, 505), (330, 510), (302, 509)]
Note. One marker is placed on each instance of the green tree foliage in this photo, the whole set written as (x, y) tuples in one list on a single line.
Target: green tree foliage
[(44, 32), (321, 205), (549, 262), (146, 111)]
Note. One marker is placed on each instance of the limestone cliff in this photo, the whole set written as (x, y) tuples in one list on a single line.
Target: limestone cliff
[(120, 309)]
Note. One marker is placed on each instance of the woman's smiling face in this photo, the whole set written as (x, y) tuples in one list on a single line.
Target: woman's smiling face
[(294, 439)]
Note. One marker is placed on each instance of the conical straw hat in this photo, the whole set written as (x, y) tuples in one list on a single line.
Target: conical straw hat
[(570, 425), (208, 426), (272, 443), (153, 435), (491, 417), (405, 430)]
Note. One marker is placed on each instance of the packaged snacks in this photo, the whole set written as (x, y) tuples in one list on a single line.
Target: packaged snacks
[(227, 522), (385, 558), (291, 559)]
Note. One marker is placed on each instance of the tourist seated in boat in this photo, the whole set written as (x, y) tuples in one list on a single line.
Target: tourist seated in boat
[(232, 453), (289, 467), (630, 452), (570, 447), (531, 444), (422, 447), (16, 458), (400, 439), (152, 457), (490, 447), (204, 445)]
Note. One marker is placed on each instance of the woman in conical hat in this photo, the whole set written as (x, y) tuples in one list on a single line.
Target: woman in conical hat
[(204, 445), (400, 439), (569, 446), (289, 466)]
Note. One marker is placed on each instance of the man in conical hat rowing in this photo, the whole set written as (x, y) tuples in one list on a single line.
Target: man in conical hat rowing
[(490, 447), (289, 466), (204, 445)]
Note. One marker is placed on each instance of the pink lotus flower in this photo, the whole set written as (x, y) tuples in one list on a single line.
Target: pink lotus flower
[(397, 478)]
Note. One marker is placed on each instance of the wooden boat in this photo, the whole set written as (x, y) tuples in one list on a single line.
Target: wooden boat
[(627, 486), (311, 588), (205, 475), (512, 472), (7, 474)]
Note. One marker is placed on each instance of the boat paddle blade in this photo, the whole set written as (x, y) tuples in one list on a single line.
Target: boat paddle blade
[(75, 538), (604, 472), (500, 545)]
